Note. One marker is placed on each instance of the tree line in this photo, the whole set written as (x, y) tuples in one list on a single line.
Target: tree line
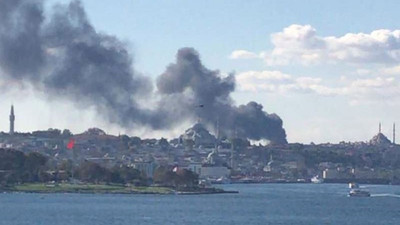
[(18, 167)]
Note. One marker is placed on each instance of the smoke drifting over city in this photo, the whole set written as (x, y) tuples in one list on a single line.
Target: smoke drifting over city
[(64, 56), (208, 88)]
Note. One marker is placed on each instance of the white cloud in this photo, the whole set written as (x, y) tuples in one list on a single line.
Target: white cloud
[(278, 82), (263, 75), (356, 91), (243, 54), (267, 81), (377, 82), (373, 90), (307, 81), (363, 72), (301, 44), (395, 70)]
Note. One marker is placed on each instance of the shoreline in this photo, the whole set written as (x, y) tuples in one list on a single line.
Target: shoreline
[(327, 181), (67, 188)]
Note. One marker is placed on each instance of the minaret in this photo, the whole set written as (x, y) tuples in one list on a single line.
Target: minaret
[(12, 119), (218, 131), (217, 135), (394, 133), (233, 149), (380, 126)]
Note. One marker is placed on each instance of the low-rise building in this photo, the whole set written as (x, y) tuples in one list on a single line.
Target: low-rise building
[(214, 172)]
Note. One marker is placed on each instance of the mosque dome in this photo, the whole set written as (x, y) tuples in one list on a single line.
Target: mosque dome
[(380, 139)]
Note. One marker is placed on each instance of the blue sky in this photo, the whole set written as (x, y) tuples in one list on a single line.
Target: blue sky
[(215, 28), (337, 92)]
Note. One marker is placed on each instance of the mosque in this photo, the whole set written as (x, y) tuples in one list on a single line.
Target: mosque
[(380, 139)]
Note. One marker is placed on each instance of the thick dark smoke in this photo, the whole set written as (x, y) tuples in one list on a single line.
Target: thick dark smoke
[(63, 55), (93, 66), (67, 57), (189, 79), (21, 52)]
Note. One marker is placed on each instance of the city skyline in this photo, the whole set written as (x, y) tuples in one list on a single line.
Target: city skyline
[(199, 112), (338, 84), (214, 132)]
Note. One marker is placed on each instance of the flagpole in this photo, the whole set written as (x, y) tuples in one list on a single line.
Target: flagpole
[(73, 165), (71, 146)]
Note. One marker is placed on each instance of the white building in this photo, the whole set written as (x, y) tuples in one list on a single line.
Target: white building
[(214, 172), (209, 171)]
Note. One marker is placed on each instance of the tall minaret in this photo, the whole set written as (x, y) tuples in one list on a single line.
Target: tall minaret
[(217, 135), (233, 149), (394, 133), (12, 119), (380, 126)]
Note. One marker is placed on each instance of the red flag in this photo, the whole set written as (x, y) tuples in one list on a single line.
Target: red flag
[(71, 144)]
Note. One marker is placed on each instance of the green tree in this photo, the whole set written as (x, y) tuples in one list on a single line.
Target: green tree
[(182, 177), (187, 178), (34, 163), (66, 133), (127, 175), (93, 172)]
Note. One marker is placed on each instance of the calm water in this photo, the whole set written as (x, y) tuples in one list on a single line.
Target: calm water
[(275, 204)]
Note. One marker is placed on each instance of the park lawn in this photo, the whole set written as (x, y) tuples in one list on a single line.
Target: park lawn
[(88, 188), (66, 187)]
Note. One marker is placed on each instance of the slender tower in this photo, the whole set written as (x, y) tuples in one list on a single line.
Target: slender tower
[(233, 149), (380, 126), (394, 133), (217, 135), (218, 130), (12, 119)]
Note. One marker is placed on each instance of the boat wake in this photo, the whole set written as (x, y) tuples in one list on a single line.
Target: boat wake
[(386, 195)]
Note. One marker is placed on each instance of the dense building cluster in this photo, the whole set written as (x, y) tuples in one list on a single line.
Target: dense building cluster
[(215, 158)]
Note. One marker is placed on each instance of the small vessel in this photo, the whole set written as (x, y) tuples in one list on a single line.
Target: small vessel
[(356, 192), (204, 183), (221, 180), (354, 185), (317, 180)]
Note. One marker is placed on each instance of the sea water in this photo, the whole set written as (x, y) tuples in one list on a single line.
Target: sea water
[(275, 204)]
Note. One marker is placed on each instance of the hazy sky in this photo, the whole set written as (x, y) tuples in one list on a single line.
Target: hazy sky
[(329, 69)]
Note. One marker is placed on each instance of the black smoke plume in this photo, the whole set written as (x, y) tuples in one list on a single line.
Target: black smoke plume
[(189, 79), (21, 50), (63, 55), (66, 56)]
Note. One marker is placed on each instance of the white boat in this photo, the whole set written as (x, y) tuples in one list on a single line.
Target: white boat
[(317, 180), (204, 183), (221, 180), (356, 192), (354, 185)]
